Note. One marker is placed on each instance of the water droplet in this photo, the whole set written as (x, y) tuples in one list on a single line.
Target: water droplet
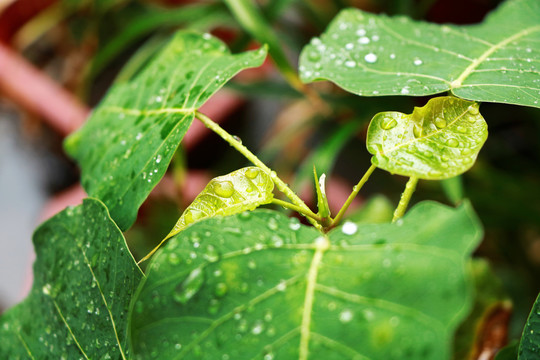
[(173, 259), (224, 189), (346, 316), (388, 123), (192, 215), (405, 90), (363, 40), (473, 109), (349, 228), (349, 46), (158, 159), (440, 123), (370, 58), (139, 136), (221, 289), (272, 224), (417, 62), (47, 289), (252, 173), (452, 142), (417, 131), (350, 63), (282, 286), (268, 315), (211, 254), (392, 56), (461, 129), (237, 139), (361, 32), (257, 328), (314, 55), (294, 224), (190, 286)]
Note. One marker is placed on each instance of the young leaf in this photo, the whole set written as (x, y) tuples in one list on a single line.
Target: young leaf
[(437, 141), (126, 145), (260, 285), (84, 278), (241, 190), (374, 55), (529, 347)]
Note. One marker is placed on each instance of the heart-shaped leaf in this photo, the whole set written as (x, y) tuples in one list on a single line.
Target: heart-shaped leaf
[(84, 278), (258, 285), (437, 141), (126, 145), (241, 190), (529, 347), (375, 55)]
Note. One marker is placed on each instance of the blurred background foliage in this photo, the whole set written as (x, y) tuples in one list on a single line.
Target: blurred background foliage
[(87, 45)]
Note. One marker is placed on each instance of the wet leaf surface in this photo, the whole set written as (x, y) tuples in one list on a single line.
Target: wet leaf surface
[(84, 278), (374, 55), (126, 146), (258, 285), (437, 141)]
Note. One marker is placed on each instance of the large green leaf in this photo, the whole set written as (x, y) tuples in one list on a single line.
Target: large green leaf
[(437, 141), (375, 55), (84, 278), (125, 147), (259, 285), (529, 347)]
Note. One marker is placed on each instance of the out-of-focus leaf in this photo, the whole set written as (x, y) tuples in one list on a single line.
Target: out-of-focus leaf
[(437, 141), (84, 278), (453, 189), (509, 352), (374, 55), (529, 347), (377, 209), (259, 284), (125, 147)]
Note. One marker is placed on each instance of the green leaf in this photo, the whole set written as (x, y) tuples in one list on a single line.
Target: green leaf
[(84, 278), (260, 285), (125, 147), (374, 55), (437, 141), (241, 190), (529, 347)]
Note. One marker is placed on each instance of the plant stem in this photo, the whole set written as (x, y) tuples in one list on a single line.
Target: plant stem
[(405, 198), (298, 209), (280, 184), (356, 190)]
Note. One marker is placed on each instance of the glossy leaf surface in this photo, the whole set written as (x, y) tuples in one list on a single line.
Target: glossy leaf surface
[(529, 347), (126, 145), (437, 141), (374, 55), (241, 190), (84, 278), (258, 285)]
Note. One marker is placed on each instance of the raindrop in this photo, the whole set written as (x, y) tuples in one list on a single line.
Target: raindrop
[(388, 123), (190, 286), (213, 306), (473, 109), (158, 159), (345, 316), (252, 173), (417, 131), (364, 40), (349, 228), (392, 56), (294, 224), (211, 254), (362, 32), (282, 286), (221, 289), (272, 224), (224, 189), (314, 56), (349, 46), (375, 38), (440, 123), (370, 58), (257, 328), (452, 142), (405, 90), (173, 259), (417, 62), (350, 63), (461, 129)]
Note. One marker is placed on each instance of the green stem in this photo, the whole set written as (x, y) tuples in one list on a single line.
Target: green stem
[(280, 184), (298, 209), (356, 190), (405, 198)]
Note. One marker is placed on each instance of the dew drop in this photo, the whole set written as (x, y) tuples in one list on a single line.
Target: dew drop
[(388, 123), (349, 228), (221, 289), (349, 46), (345, 316), (314, 56), (473, 109), (350, 63), (370, 58), (190, 286), (224, 189), (440, 123), (158, 159), (272, 224), (452, 142), (252, 173), (417, 131), (417, 62), (405, 90), (211, 254), (294, 224), (363, 40), (392, 56)]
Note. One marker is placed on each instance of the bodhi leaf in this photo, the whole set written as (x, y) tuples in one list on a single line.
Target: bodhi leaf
[(437, 141), (84, 278), (258, 285), (241, 190), (374, 55), (529, 347), (126, 145)]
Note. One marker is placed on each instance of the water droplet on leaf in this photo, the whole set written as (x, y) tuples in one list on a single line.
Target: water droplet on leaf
[(190, 286)]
